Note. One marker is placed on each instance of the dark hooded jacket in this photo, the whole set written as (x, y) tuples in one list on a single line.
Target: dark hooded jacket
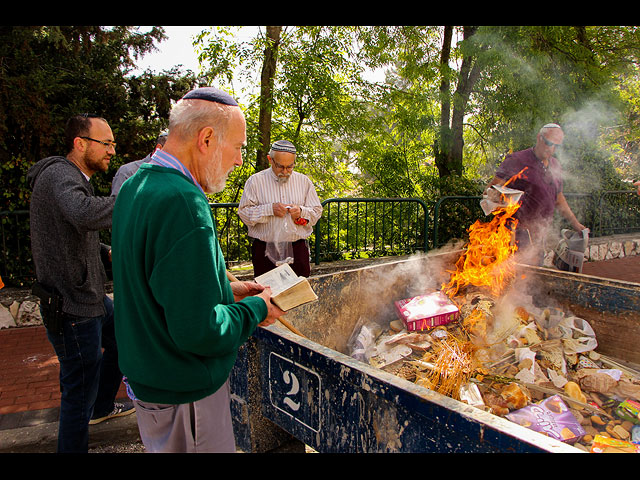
[(66, 218)]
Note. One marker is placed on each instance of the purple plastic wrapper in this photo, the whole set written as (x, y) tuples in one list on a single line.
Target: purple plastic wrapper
[(550, 417)]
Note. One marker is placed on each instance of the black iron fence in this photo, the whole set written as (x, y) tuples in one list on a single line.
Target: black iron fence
[(355, 227), (604, 213), (370, 227), (16, 265), (617, 212)]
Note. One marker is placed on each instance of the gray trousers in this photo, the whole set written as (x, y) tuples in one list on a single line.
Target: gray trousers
[(203, 426)]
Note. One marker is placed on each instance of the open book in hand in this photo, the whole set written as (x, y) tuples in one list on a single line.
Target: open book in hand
[(287, 289)]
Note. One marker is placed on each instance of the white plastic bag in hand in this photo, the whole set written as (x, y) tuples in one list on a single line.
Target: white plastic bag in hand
[(280, 250)]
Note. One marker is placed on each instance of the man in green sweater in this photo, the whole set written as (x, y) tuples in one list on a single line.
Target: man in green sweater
[(179, 321)]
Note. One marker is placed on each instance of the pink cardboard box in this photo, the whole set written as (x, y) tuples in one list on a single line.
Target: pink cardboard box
[(426, 311)]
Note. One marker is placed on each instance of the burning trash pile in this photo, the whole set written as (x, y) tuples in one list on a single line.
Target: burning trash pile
[(481, 340)]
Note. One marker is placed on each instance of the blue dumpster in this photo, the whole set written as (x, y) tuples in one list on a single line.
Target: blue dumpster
[(288, 387)]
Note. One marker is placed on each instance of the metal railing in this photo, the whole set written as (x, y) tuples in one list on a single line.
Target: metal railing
[(618, 212), (232, 233), (354, 227), (370, 227), (604, 213), (460, 212), (15, 257)]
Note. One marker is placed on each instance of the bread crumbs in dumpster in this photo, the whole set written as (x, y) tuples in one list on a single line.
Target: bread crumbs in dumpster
[(502, 349), (512, 358)]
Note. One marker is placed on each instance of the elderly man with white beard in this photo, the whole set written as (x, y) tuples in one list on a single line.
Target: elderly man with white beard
[(280, 207), (179, 321)]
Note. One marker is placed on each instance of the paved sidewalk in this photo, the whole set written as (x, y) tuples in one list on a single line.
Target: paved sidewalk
[(30, 396), (29, 371), (29, 388), (625, 268)]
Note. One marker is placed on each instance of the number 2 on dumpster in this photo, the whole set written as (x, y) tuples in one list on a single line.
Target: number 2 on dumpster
[(294, 390), (290, 378)]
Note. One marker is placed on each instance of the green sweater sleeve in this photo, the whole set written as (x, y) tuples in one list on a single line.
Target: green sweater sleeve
[(191, 286)]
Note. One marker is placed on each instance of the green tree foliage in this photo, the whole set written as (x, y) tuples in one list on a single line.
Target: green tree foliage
[(539, 74), (49, 73), (454, 101), (315, 103), (501, 84)]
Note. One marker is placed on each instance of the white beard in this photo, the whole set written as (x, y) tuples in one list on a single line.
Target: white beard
[(215, 179), (219, 184)]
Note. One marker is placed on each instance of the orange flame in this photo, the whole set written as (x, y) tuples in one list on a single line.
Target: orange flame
[(516, 176), (487, 259)]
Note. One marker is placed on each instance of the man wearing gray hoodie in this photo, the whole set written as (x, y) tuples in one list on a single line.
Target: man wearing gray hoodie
[(66, 218)]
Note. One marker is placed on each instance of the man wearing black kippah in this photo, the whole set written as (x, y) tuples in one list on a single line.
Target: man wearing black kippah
[(179, 321), (280, 207)]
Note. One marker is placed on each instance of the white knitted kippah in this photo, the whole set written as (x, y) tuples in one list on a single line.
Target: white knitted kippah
[(283, 146)]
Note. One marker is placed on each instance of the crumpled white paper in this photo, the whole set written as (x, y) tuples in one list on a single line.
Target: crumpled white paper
[(526, 375), (578, 336), (497, 197)]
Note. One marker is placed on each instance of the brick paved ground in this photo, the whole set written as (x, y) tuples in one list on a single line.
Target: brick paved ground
[(29, 367), (626, 268), (29, 371)]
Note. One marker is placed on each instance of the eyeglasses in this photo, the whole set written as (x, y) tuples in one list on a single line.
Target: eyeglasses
[(282, 167), (106, 143), (549, 143)]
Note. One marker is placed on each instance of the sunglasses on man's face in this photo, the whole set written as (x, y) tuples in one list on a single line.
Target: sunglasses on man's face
[(549, 143)]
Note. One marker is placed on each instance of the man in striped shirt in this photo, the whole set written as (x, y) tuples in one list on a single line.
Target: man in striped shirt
[(280, 207)]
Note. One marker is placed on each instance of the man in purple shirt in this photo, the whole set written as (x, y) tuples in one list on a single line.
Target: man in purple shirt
[(538, 174)]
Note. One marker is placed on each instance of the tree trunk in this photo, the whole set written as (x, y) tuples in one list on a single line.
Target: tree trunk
[(441, 148), (266, 96), (449, 151), (469, 73)]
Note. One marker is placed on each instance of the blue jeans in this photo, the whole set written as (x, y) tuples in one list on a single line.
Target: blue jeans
[(89, 375)]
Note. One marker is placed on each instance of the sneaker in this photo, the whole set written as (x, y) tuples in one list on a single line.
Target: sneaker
[(119, 410)]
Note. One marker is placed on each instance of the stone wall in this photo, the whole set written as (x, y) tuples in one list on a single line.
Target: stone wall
[(600, 248), (21, 312), (18, 308), (608, 248)]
